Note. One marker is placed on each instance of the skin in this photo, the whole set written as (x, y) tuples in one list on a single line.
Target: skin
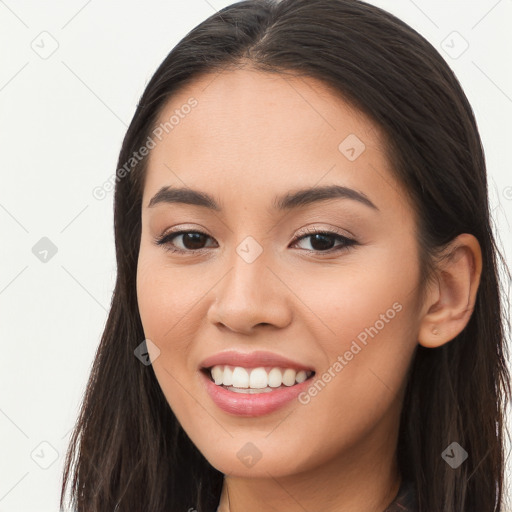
[(252, 136)]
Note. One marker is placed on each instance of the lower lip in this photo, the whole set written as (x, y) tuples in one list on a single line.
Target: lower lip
[(251, 405)]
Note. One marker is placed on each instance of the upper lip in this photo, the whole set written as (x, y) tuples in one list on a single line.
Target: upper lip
[(252, 360)]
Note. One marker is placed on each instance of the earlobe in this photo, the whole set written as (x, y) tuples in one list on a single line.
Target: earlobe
[(452, 300)]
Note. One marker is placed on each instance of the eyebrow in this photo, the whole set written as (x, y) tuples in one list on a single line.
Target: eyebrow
[(289, 201)]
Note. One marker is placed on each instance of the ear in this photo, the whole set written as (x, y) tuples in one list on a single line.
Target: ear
[(450, 302)]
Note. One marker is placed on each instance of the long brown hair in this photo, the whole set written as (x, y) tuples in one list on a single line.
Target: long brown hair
[(128, 451)]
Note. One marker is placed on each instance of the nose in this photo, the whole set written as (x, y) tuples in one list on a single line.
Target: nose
[(250, 295)]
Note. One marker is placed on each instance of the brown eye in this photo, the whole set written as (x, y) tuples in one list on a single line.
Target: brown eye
[(323, 241), (191, 241)]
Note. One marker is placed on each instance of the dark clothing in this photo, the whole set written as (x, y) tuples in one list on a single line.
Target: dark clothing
[(406, 500)]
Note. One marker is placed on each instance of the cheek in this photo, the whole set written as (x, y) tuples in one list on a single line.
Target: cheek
[(348, 300), (367, 331), (359, 387), (168, 299), (166, 306)]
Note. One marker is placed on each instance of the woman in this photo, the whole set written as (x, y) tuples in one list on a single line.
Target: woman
[(307, 312)]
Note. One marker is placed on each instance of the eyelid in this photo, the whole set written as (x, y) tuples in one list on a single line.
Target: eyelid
[(329, 229), (303, 231)]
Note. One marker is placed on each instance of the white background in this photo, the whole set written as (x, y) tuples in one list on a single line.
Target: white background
[(62, 121)]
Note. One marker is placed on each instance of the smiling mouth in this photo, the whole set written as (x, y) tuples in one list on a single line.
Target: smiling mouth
[(290, 378)]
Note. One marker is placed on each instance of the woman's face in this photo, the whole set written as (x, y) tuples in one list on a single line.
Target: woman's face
[(258, 279)]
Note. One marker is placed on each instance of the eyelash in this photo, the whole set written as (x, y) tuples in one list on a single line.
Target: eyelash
[(165, 241)]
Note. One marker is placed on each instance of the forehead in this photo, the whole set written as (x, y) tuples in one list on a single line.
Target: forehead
[(246, 131)]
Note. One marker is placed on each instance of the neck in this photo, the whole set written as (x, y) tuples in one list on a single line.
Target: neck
[(339, 486)]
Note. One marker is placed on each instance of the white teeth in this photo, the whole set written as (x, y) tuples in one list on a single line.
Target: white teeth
[(257, 378), (249, 391), (301, 376), (289, 377), (274, 378), (227, 378), (217, 374), (240, 378)]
